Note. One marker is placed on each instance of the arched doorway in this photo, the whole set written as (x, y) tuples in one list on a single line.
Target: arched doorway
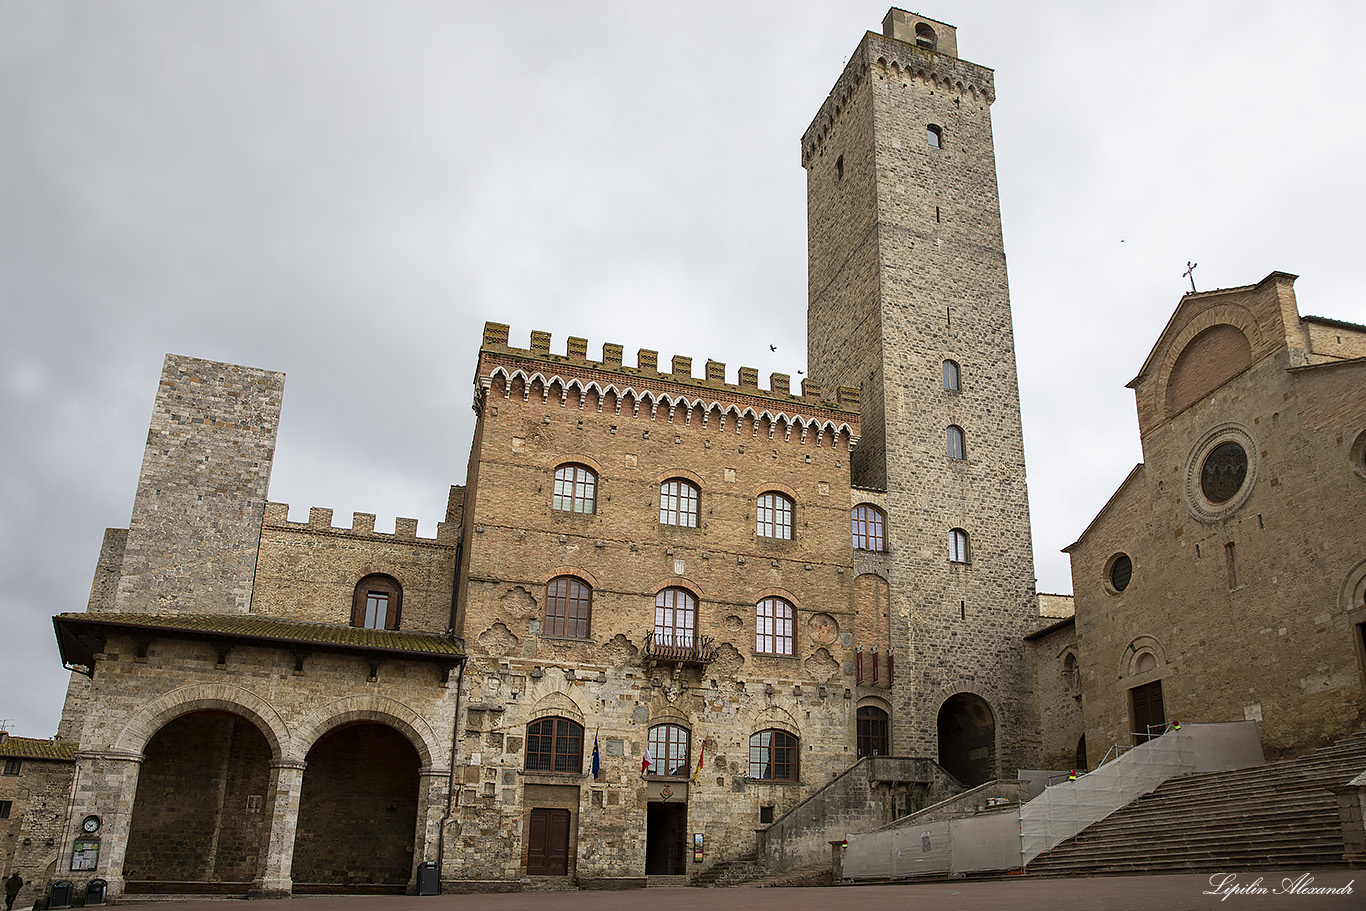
[(967, 739), (200, 817), (357, 811)]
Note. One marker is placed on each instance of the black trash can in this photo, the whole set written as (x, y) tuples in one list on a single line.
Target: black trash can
[(59, 894), (94, 891), (428, 878)]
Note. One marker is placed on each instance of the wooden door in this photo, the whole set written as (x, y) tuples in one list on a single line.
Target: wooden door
[(1148, 712), (548, 843)]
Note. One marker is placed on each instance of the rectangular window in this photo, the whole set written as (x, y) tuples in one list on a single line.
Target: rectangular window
[(376, 609), (12, 766), (5, 808)]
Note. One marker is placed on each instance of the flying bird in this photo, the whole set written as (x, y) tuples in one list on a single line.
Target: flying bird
[(772, 347)]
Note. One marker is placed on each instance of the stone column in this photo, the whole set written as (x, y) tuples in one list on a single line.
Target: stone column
[(433, 787), (106, 784), (286, 785)]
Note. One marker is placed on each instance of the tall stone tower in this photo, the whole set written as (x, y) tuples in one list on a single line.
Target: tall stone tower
[(908, 302), (192, 539)]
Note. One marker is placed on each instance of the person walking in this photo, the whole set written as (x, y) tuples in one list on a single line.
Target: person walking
[(12, 887)]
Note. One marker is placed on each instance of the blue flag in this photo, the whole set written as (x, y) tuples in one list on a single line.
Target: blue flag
[(597, 763)]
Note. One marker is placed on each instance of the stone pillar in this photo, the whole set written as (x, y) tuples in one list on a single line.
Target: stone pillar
[(433, 788), (837, 861), (286, 786), (1352, 810), (105, 786)]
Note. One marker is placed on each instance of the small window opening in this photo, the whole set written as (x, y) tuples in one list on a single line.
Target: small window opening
[(934, 136), (1231, 558), (925, 37), (766, 814), (839, 168)]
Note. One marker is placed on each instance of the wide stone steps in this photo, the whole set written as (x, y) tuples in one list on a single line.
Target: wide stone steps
[(1277, 815), (731, 873)]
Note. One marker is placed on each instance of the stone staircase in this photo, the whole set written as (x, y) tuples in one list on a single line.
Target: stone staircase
[(1279, 815), (731, 872)]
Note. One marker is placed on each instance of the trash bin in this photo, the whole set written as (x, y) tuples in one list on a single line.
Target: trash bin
[(59, 894), (94, 891), (428, 878)]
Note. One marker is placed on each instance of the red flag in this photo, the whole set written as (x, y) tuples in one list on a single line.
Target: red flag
[(701, 754)]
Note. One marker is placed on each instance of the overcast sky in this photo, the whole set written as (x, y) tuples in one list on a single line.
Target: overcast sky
[(346, 191)]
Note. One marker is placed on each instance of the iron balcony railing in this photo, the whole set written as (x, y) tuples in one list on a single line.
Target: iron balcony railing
[(685, 649)]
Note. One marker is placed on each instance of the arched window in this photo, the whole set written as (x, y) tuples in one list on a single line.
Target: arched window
[(679, 502), (934, 135), (568, 607), (868, 525), (773, 627), (576, 489), (669, 750), (958, 546), (1071, 678), (377, 602), (554, 745), (675, 617), (925, 37), (773, 756), (955, 445), (953, 379), (775, 516), (871, 731)]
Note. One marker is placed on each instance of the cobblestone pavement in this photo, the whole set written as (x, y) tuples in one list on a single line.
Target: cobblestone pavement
[(1116, 893)]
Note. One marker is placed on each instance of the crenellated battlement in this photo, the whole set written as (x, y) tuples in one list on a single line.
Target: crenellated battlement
[(895, 62), (574, 364), (362, 526)]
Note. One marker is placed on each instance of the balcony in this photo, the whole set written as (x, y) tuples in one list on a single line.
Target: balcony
[(679, 648)]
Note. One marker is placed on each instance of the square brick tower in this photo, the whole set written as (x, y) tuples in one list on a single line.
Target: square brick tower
[(908, 302)]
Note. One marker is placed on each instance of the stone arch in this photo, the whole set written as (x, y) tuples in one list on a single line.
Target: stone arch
[(669, 714), (1352, 596), (774, 716), (1207, 361), (967, 738), (217, 697), (1142, 645), (556, 703), (1237, 317), (367, 707)]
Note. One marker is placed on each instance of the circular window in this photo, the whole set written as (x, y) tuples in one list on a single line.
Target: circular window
[(1222, 475), (1120, 573), (1221, 471)]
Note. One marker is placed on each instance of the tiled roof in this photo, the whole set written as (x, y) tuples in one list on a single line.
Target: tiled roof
[(33, 748), (265, 630)]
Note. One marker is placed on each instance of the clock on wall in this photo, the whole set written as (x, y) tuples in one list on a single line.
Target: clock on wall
[(91, 824)]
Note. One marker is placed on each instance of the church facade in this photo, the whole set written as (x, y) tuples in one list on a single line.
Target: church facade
[(1226, 578)]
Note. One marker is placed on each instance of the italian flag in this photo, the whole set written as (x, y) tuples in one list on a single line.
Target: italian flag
[(646, 760)]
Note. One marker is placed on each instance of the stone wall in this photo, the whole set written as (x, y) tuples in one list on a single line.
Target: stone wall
[(309, 570), (874, 792), (31, 838)]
